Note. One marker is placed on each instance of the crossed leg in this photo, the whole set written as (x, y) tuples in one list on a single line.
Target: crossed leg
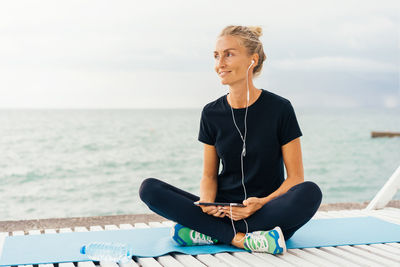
[(289, 211)]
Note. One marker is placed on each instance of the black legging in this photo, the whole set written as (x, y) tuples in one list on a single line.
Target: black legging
[(289, 211)]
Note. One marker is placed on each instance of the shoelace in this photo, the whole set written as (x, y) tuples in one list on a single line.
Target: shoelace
[(200, 238), (257, 242)]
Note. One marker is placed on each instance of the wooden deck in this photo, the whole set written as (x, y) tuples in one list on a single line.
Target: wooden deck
[(387, 254)]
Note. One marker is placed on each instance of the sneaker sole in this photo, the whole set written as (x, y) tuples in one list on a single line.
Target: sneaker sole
[(281, 240)]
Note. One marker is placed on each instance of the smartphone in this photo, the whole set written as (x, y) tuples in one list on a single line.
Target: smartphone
[(219, 204)]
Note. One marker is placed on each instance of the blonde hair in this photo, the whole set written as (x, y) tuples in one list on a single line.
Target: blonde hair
[(249, 38)]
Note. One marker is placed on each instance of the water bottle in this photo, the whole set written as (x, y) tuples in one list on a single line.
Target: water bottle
[(111, 252)]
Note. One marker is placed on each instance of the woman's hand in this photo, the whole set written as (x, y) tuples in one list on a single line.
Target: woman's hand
[(213, 210), (238, 213)]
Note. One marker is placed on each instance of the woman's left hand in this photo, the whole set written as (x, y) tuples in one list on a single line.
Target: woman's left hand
[(238, 213)]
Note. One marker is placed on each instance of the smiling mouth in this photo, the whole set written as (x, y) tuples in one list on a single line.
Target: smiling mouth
[(223, 73)]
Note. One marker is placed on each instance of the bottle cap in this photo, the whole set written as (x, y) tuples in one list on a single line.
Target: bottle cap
[(83, 250), (130, 250)]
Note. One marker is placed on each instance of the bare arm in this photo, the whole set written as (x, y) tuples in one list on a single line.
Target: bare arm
[(208, 183), (294, 168)]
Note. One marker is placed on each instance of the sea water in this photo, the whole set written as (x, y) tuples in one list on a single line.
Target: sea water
[(68, 163)]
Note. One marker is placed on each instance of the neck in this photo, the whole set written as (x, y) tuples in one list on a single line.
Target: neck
[(237, 97)]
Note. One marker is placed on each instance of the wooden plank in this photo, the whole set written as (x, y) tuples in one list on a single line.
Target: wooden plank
[(391, 212), (65, 230), (297, 261), (108, 264), (251, 259), (94, 228), (372, 256), (322, 214), (80, 229), (157, 224), (316, 215), (383, 217), (230, 260), (168, 260), (141, 225), (272, 259), (342, 214), (392, 209), (320, 261), (393, 216), (338, 260), (111, 227), (396, 245), (148, 262), (18, 233), (359, 213), (131, 263), (34, 232), (168, 223), (349, 256), (387, 248), (210, 260), (86, 264), (126, 226), (380, 249), (188, 260), (50, 231), (347, 213)]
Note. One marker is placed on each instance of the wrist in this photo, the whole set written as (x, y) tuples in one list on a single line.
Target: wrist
[(264, 200)]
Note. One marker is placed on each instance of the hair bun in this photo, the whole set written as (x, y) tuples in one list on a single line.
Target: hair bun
[(257, 30)]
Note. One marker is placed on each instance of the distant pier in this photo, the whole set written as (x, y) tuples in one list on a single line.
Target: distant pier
[(384, 134)]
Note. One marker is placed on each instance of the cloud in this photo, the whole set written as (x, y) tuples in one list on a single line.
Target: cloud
[(96, 53), (329, 63), (391, 101)]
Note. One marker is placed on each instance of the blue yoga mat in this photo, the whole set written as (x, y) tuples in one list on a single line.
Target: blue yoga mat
[(153, 242)]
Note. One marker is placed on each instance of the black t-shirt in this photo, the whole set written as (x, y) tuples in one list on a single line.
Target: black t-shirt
[(271, 123)]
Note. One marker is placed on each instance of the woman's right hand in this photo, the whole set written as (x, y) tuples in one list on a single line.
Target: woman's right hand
[(213, 210)]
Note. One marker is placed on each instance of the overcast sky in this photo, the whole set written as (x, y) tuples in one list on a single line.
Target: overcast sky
[(159, 54)]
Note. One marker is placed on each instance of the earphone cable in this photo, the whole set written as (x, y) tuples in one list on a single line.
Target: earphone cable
[(242, 155)]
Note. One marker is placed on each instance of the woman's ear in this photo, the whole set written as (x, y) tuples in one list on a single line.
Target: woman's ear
[(255, 58)]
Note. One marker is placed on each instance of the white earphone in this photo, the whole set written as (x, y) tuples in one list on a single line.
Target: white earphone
[(243, 154), (248, 93)]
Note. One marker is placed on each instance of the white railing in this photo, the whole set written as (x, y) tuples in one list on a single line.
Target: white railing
[(386, 193)]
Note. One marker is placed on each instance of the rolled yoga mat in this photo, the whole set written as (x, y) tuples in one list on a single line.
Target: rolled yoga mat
[(153, 242)]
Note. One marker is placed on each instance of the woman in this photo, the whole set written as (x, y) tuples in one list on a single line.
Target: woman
[(253, 132)]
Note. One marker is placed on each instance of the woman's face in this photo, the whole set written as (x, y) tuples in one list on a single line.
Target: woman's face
[(231, 60)]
